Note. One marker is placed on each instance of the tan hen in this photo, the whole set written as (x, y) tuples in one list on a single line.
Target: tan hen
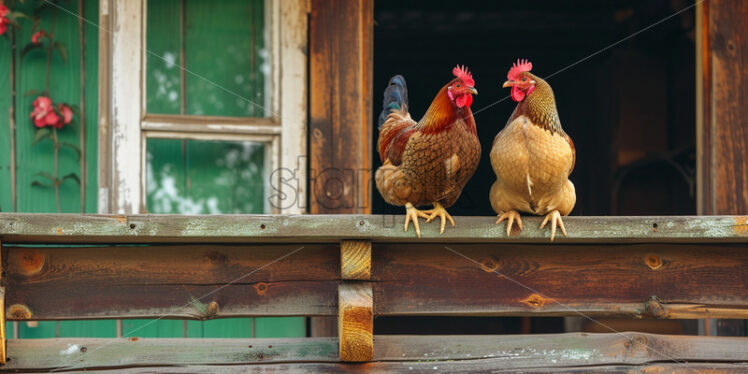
[(532, 156)]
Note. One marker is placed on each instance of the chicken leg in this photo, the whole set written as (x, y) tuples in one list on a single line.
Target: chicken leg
[(439, 211), (411, 213), (510, 216), (555, 218)]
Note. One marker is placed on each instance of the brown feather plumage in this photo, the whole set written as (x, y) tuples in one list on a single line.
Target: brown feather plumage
[(431, 160), (533, 157)]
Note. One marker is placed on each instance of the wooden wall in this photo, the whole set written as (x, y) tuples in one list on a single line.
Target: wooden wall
[(723, 117), (340, 104), (20, 162), (724, 99)]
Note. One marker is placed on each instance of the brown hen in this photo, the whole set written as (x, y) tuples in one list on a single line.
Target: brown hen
[(429, 161)]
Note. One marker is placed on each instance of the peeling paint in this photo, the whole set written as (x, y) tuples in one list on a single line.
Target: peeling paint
[(71, 349)]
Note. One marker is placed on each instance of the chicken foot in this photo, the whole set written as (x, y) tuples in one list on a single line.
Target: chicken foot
[(411, 213), (555, 218), (510, 216), (439, 211)]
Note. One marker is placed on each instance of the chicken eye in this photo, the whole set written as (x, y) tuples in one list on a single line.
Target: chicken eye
[(524, 79), (457, 85)]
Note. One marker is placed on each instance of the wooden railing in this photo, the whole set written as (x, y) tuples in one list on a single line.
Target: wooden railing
[(360, 267)]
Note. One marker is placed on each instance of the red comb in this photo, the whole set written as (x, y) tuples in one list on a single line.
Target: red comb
[(463, 73), (518, 68)]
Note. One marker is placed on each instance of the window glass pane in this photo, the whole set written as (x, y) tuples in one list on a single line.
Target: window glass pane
[(222, 46), (163, 87), (205, 177)]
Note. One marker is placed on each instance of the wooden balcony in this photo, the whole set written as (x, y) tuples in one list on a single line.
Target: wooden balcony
[(359, 267)]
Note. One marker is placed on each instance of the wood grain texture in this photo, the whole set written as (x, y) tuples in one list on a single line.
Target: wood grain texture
[(595, 280), (355, 322), (3, 347), (725, 88), (340, 94), (495, 366), (133, 282), (633, 280), (355, 259), (723, 141), (88, 229), (3, 353), (574, 352)]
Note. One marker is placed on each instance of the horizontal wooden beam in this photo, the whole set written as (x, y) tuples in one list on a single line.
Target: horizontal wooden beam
[(623, 353), (631, 280), (71, 228), (172, 281)]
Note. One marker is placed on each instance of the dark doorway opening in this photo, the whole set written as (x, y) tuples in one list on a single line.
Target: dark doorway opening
[(630, 108)]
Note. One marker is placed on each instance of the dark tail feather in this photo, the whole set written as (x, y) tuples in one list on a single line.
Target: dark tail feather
[(395, 98)]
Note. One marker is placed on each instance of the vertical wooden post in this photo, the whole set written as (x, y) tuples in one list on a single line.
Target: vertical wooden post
[(722, 115), (355, 303), (723, 107), (340, 105)]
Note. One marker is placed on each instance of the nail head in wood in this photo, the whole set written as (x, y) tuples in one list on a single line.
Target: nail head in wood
[(355, 322), (355, 259)]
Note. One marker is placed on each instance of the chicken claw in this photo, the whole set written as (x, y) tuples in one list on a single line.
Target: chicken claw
[(510, 216), (411, 213), (439, 211), (555, 219)]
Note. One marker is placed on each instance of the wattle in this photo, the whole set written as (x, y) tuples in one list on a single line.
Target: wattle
[(464, 100), (517, 94)]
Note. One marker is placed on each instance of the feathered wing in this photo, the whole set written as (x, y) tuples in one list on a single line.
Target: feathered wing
[(573, 153), (395, 124)]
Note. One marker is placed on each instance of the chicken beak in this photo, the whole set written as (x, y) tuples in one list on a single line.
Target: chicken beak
[(508, 84), (472, 90)]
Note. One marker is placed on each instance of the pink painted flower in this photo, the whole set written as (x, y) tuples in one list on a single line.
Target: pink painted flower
[(66, 112), (3, 10), (44, 113), (37, 37), (3, 25)]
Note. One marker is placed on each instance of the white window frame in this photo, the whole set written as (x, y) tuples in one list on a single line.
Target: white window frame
[(124, 125)]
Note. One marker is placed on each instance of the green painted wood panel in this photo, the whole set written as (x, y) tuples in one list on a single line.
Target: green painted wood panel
[(6, 203), (88, 329), (150, 328), (91, 14), (64, 87), (220, 328), (280, 327), (39, 330)]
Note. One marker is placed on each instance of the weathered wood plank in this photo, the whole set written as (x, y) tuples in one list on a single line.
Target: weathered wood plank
[(355, 259), (495, 366), (3, 348), (3, 353), (575, 351), (724, 82), (641, 281), (154, 281), (340, 74), (355, 322), (722, 113), (70, 228)]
